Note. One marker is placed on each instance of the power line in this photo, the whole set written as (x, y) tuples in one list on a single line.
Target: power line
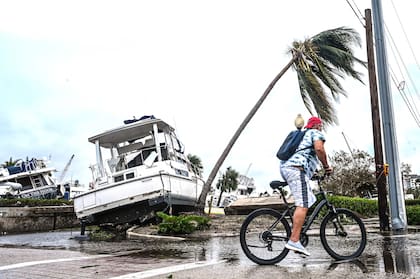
[(409, 103), (399, 54), (412, 110), (405, 34), (359, 14), (400, 57)]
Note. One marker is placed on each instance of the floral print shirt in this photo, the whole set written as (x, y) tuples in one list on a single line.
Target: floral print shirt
[(306, 157)]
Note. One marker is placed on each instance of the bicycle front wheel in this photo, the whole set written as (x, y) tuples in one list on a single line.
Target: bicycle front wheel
[(343, 234), (263, 236)]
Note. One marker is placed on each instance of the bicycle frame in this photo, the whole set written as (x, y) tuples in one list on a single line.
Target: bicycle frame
[(317, 210), (309, 219)]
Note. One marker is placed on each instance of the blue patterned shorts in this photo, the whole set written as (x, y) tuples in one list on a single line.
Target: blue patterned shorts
[(299, 185)]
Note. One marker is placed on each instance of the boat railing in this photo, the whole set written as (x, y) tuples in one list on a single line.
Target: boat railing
[(97, 176), (25, 166)]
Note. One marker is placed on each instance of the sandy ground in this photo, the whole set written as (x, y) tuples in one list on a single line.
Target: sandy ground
[(220, 225)]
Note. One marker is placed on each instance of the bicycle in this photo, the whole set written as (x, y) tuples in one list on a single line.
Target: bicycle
[(265, 232)]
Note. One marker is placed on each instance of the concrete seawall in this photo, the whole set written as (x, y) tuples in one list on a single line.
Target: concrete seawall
[(36, 219)]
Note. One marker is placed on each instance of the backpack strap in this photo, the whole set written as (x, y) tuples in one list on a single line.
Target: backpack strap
[(310, 146)]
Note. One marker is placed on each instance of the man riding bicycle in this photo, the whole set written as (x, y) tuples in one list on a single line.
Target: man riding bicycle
[(298, 170)]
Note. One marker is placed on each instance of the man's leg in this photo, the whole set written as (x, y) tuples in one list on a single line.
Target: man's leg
[(298, 220)]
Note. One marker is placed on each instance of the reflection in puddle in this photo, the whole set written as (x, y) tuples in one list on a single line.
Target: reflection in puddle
[(355, 262), (219, 248), (161, 254), (390, 254), (386, 254), (396, 258), (213, 249)]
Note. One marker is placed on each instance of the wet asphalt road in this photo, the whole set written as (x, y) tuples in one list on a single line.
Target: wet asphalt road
[(60, 255)]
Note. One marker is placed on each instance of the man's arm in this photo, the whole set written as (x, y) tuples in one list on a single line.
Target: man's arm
[(322, 155)]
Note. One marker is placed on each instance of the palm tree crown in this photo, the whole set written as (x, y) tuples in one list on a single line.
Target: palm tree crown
[(319, 61)]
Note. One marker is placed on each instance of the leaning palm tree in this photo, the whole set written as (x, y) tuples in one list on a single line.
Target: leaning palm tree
[(319, 62)]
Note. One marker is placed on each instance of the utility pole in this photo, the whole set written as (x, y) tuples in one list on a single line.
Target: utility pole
[(396, 194), (376, 125)]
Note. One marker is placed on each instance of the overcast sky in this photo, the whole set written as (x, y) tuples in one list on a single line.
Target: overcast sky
[(72, 69)]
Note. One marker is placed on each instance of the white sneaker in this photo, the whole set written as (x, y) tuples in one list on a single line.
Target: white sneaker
[(297, 247)]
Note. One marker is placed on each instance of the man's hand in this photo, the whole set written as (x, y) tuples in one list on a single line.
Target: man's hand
[(328, 170)]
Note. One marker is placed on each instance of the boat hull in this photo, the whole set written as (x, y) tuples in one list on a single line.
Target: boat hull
[(43, 192), (138, 200)]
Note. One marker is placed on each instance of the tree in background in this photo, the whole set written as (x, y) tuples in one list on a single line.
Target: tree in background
[(319, 62), (405, 169), (354, 174), (227, 183), (415, 191), (196, 164)]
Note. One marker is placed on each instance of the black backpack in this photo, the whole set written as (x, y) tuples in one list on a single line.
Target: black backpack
[(290, 144)]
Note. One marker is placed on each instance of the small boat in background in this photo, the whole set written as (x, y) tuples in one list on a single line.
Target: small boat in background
[(246, 188), (146, 171), (28, 179)]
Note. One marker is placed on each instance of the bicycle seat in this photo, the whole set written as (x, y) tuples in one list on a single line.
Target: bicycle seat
[(276, 184)]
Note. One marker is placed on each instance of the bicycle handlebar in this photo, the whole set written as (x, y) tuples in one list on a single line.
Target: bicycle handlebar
[(319, 177)]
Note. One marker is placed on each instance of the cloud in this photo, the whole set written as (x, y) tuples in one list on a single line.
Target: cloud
[(71, 70)]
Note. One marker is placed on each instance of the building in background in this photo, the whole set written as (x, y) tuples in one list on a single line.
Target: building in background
[(411, 181)]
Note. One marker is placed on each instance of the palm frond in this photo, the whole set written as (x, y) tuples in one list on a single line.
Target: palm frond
[(335, 47), (315, 97), (320, 62)]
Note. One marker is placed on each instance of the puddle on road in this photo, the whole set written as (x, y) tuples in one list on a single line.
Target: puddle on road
[(383, 254), (399, 254), (162, 254)]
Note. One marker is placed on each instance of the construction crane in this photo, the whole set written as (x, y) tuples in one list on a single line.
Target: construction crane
[(63, 174), (65, 170)]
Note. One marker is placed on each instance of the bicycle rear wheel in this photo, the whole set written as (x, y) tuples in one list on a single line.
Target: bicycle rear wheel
[(343, 234), (263, 236)]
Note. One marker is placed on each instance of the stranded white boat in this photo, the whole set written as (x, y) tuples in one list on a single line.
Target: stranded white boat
[(28, 179), (147, 171), (246, 188)]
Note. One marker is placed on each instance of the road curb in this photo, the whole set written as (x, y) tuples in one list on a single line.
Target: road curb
[(133, 235)]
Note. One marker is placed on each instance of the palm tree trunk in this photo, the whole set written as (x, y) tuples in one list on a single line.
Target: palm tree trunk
[(207, 185), (220, 198)]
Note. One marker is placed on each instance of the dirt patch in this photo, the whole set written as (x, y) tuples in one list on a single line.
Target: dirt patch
[(220, 225), (224, 225)]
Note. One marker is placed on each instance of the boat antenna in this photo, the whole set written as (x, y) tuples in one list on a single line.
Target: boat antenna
[(348, 146), (247, 170)]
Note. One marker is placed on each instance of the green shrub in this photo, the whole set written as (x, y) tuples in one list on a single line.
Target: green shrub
[(366, 208), (182, 224), (369, 208), (413, 214), (412, 202), (99, 234)]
